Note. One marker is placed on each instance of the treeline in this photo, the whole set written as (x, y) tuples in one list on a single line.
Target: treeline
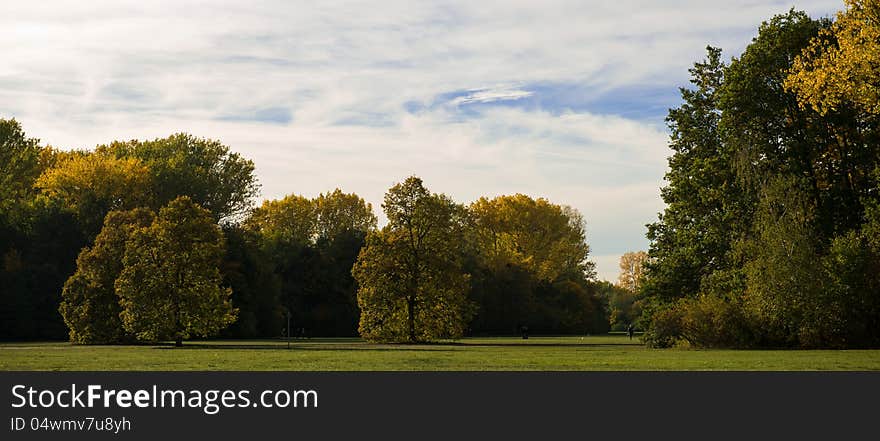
[(159, 240), (771, 235)]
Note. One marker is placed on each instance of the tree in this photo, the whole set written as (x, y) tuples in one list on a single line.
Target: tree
[(530, 267), (784, 278), (411, 284), (622, 308), (19, 166), (220, 181), (169, 287), (93, 184), (763, 192), (840, 66), (853, 268), (39, 241), (692, 238), (90, 306), (548, 239), (256, 287), (312, 245), (337, 213), (284, 223), (632, 270)]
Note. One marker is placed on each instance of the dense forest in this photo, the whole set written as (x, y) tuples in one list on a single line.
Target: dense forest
[(771, 235), (155, 240)]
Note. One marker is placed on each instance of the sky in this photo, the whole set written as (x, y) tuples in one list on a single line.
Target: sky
[(564, 100)]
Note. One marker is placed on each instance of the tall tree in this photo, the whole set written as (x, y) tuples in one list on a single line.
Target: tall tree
[(169, 287), (39, 240), (411, 284), (791, 189), (691, 239)]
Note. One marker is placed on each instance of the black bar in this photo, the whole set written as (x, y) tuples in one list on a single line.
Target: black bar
[(473, 405)]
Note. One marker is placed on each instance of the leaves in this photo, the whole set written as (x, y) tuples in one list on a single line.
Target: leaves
[(90, 306), (839, 67), (411, 284), (545, 238), (169, 287)]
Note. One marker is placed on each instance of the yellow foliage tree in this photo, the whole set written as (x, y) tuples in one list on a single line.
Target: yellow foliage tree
[(547, 239), (632, 270), (93, 184), (842, 64)]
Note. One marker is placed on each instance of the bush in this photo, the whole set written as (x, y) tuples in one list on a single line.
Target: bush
[(704, 322), (664, 328)]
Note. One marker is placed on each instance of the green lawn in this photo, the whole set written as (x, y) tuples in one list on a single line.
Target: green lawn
[(611, 352)]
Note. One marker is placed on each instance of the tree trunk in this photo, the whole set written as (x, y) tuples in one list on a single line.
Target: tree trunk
[(410, 311), (179, 341)]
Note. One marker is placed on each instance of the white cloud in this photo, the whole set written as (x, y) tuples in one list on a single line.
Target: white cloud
[(78, 74), (491, 95)]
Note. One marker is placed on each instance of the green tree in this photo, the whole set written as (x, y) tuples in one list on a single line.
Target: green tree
[(853, 268), (692, 238), (256, 288), (761, 190), (39, 241), (217, 179), (622, 306), (19, 166), (411, 284), (288, 222), (337, 213), (312, 245), (784, 278), (90, 306), (169, 287)]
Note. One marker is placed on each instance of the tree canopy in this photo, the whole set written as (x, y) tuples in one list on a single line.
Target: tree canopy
[(170, 284), (838, 68), (90, 306), (205, 170)]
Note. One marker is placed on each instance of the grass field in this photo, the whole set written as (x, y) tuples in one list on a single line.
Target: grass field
[(611, 352)]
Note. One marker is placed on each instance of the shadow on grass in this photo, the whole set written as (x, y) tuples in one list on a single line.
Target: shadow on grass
[(301, 348), (545, 345), (360, 345)]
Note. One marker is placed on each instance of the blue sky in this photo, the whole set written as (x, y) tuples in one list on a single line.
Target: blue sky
[(556, 99)]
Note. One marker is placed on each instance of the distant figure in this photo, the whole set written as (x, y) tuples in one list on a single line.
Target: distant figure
[(630, 330), (525, 332)]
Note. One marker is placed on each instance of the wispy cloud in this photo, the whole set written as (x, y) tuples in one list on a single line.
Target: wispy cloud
[(489, 95), (558, 99)]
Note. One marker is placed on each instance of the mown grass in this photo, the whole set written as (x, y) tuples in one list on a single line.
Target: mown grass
[(609, 352)]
